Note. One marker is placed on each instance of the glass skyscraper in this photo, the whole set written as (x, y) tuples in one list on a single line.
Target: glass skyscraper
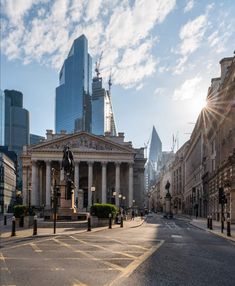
[(2, 117), (73, 95), (102, 112), (16, 121)]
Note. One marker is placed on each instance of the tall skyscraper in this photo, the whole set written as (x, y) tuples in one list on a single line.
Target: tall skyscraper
[(154, 157), (16, 122), (2, 117), (102, 111), (73, 95)]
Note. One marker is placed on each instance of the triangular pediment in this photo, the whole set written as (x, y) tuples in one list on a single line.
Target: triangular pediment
[(82, 141)]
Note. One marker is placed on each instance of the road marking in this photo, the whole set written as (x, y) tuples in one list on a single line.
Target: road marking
[(103, 248), (4, 262), (57, 269), (78, 283), (176, 236), (116, 267), (132, 266), (35, 247), (27, 243)]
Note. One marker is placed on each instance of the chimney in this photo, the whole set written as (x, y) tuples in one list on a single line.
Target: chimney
[(224, 64), (49, 134)]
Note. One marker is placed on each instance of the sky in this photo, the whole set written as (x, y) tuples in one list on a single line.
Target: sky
[(161, 54)]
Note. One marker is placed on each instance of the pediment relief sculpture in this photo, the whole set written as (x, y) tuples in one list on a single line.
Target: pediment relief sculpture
[(82, 143)]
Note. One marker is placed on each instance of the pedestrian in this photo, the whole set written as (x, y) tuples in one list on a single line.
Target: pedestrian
[(132, 215)]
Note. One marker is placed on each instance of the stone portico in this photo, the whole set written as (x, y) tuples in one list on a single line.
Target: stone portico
[(109, 164)]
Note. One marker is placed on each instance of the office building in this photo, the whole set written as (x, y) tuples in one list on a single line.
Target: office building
[(154, 157), (73, 95), (102, 111), (7, 183), (16, 122), (35, 139), (2, 117)]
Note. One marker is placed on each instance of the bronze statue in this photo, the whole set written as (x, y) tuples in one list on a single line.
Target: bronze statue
[(68, 166), (167, 187)]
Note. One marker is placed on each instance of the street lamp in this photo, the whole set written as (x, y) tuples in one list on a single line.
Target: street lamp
[(120, 200), (92, 192), (114, 197), (123, 201)]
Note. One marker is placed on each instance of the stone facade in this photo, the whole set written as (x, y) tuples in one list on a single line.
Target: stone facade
[(109, 164), (219, 146), (206, 163), (7, 183)]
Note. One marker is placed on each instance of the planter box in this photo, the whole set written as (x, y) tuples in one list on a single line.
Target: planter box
[(96, 222)]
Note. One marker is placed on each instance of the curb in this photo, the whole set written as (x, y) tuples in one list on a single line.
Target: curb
[(230, 238), (31, 236)]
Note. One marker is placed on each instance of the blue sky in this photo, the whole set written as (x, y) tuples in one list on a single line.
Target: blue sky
[(163, 55)]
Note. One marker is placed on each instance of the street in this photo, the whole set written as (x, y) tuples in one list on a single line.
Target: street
[(160, 252)]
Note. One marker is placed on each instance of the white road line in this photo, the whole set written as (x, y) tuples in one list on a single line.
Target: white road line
[(132, 266), (176, 236), (35, 247)]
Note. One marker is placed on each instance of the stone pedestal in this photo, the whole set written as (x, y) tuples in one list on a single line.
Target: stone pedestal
[(80, 200), (66, 210), (168, 210)]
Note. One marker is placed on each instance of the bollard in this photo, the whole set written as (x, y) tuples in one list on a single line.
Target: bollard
[(228, 227), (35, 228), (13, 230), (5, 220), (211, 225), (222, 224), (121, 224), (110, 221), (89, 223), (210, 222)]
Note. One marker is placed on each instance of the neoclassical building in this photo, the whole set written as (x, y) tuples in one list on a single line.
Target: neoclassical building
[(107, 170)]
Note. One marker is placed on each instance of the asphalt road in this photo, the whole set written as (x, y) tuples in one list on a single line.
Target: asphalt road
[(160, 252)]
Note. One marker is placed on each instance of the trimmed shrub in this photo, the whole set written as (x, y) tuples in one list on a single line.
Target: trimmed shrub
[(19, 210), (103, 210)]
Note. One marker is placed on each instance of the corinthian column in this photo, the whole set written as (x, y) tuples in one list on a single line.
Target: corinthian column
[(48, 184), (34, 193), (117, 182), (104, 174), (130, 185), (90, 182), (76, 176)]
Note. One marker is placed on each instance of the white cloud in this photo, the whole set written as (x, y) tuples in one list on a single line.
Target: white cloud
[(188, 89), (140, 86), (128, 25), (43, 31), (189, 6), (159, 91), (192, 34), (93, 9)]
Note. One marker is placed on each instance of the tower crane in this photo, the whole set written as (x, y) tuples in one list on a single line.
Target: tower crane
[(110, 81), (97, 65)]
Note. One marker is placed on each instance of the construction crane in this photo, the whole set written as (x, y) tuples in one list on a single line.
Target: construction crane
[(97, 65), (110, 81)]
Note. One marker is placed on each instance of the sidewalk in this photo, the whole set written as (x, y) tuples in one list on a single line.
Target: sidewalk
[(202, 224), (5, 231)]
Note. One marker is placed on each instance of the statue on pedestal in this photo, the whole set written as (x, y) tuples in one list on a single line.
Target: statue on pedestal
[(68, 166)]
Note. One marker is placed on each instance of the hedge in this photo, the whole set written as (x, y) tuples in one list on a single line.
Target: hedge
[(103, 210), (19, 210)]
